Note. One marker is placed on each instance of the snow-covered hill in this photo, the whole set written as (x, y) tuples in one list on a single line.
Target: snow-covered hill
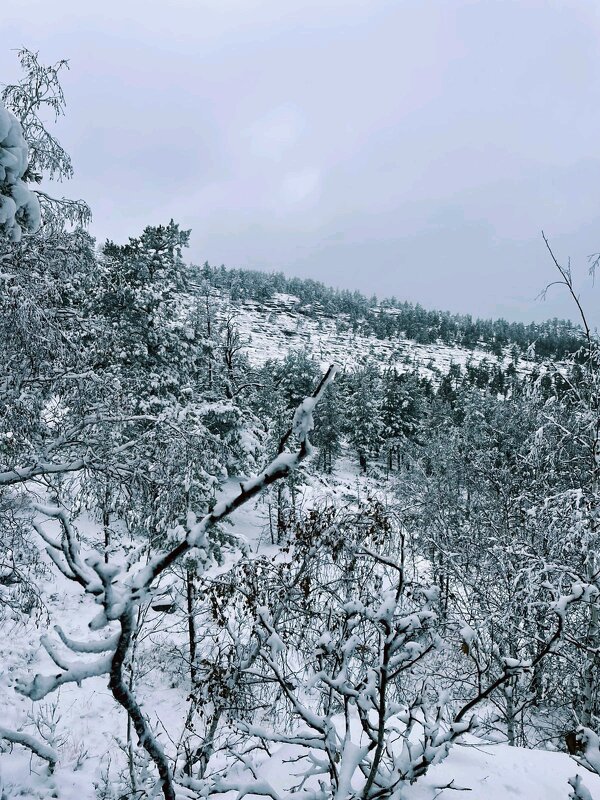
[(270, 329)]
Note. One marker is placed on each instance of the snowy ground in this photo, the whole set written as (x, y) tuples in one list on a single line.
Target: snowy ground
[(476, 771)]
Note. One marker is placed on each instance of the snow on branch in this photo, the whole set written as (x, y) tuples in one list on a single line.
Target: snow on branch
[(43, 466), (19, 206), (579, 790), (381, 744), (118, 595), (100, 646), (75, 568), (43, 685), (31, 743), (590, 744), (258, 788), (280, 467), (23, 474)]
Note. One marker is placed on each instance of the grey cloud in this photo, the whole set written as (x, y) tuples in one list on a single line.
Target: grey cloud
[(407, 148)]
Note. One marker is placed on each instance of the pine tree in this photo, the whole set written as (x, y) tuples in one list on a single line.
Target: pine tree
[(364, 420), (400, 412), (148, 340), (327, 436)]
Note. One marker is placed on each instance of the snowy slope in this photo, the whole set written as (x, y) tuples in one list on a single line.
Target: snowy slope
[(272, 328), (476, 771)]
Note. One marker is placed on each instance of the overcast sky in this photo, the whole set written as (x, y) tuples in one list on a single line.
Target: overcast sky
[(406, 148)]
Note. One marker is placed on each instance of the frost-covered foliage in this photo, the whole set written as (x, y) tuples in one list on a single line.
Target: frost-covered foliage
[(29, 153), (354, 681), (588, 746), (338, 652), (131, 400), (21, 568), (39, 91), (119, 592), (19, 206)]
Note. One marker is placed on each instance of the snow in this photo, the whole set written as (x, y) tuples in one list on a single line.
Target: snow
[(90, 716), (19, 206), (499, 772), (591, 754), (581, 792), (483, 772), (39, 748), (467, 634), (480, 770), (90, 720), (272, 328), (303, 421)]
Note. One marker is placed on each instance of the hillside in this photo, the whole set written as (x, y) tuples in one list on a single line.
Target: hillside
[(391, 318), (270, 328)]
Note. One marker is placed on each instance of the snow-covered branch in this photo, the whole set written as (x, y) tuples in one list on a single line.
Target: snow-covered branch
[(119, 594), (41, 749), (281, 466)]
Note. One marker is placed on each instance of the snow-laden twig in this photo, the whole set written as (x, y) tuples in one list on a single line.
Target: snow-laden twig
[(99, 646), (579, 790), (280, 467), (590, 745), (43, 685), (42, 750)]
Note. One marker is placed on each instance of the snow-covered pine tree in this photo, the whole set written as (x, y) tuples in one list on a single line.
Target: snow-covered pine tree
[(401, 410), (19, 206), (363, 420), (38, 92)]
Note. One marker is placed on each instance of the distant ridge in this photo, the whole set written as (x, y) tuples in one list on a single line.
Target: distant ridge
[(390, 318)]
